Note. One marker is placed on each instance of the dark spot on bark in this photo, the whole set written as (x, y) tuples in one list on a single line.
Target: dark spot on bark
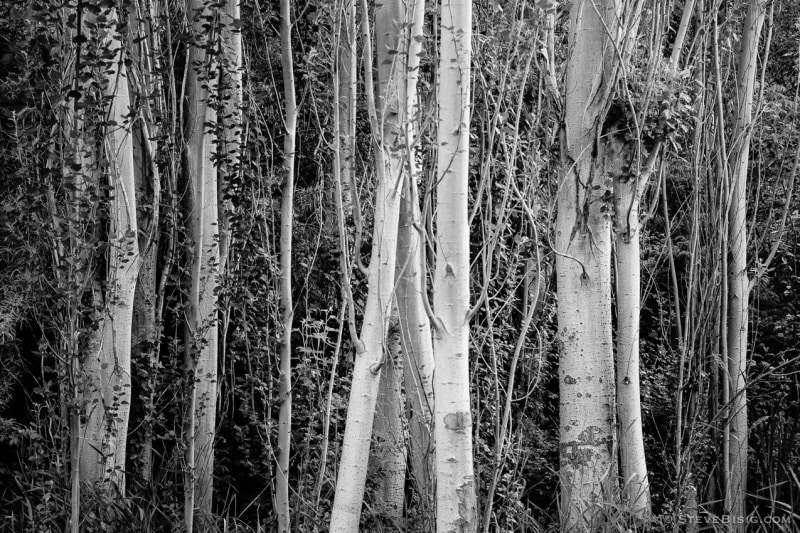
[(569, 380), (458, 421)]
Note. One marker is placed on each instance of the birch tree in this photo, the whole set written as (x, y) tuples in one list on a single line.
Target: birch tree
[(456, 506), (203, 214), (583, 265)]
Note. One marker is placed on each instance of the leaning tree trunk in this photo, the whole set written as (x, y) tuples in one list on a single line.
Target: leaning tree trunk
[(583, 265), (104, 435), (738, 281), (369, 348), (287, 310), (456, 506), (202, 209)]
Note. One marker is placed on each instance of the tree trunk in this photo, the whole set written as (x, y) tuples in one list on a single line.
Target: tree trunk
[(415, 330), (346, 56), (105, 432), (147, 302), (456, 506), (583, 264), (635, 485), (380, 282), (738, 281), (287, 311), (417, 345), (202, 331), (389, 455)]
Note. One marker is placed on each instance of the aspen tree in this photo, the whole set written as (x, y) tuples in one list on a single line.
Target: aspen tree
[(415, 329), (107, 366), (346, 78), (417, 347), (583, 265), (203, 214), (456, 506), (287, 311), (417, 344), (389, 453), (370, 356), (148, 301), (738, 280)]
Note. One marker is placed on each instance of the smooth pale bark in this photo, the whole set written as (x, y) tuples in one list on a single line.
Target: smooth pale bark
[(456, 506), (583, 264), (108, 369), (389, 453), (415, 329), (633, 467), (369, 347), (287, 310), (201, 315), (738, 281)]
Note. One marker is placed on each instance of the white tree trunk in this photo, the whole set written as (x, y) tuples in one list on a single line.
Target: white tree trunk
[(738, 281), (369, 348), (104, 436), (287, 311), (583, 264), (635, 484), (456, 506), (202, 334), (415, 330)]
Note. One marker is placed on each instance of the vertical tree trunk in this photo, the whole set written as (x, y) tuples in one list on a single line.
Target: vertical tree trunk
[(456, 506), (583, 264), (346, 56), (232, 122), (202, 332), (411, 288), (147, 302), (738, 281), (287, 311), (417, 345), (635, 485), (369, 348), (390, 446), (103, 451)]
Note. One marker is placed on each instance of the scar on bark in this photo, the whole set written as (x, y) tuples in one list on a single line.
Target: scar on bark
[(457, 421)]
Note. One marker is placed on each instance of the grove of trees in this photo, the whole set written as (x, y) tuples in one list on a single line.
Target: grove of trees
[(399, 265)]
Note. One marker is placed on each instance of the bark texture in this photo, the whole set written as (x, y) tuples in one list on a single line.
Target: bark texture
[(583, 264), (380, 282), (107, 364), (287, 310), (456, 506), (738, 280), (203, 213)]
